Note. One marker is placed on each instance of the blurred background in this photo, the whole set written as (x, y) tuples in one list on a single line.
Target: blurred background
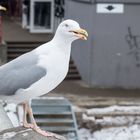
[(104, 71)]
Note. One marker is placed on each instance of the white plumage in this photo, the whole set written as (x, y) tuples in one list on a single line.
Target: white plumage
[(41, 70)]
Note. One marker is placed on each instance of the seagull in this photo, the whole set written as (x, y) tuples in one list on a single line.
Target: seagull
[(39, 71)]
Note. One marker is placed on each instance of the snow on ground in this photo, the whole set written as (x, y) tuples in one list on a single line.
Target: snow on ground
[(109, 120), (114, 108), (117, 123), (114, 133), (11, 112), (129, 132)]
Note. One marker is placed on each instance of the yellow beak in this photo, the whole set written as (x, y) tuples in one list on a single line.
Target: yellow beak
[(80, 33), (2, 8)]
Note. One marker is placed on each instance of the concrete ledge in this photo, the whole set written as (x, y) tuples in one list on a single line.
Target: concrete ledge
[(20, 133)]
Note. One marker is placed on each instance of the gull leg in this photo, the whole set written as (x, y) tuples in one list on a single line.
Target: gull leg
[(35, 126), (25, 123)]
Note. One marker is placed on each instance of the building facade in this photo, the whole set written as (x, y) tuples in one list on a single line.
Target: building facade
[(110, 57)]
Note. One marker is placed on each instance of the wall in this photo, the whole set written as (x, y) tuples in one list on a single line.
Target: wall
[(111, 56), (81, 50)]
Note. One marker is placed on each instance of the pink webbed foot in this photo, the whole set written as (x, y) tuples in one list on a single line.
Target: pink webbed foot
[(28, 125), (45, 133)]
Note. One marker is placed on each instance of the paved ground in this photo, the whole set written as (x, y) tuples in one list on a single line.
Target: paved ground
[(12, 31), (80, 88), (82, 95)]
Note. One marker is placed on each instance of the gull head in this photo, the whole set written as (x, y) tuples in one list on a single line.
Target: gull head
[(70, 29)]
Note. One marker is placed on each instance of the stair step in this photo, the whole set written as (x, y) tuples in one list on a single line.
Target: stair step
[(51, 108), (13, 55), (62, 103), (51, 113), (25, 43), (58, 129), (18, 50), (50, 120), (73, 71), (73, 76), (72, 66)]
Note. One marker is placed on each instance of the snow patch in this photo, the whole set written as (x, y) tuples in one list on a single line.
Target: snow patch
[(114, 133), (25, 134), (115, 108), (9, 135), (11, 110)]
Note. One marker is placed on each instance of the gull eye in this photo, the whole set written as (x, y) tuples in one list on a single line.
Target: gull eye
[(66, 25)]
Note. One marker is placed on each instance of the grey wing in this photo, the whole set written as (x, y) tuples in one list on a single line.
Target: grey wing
[(20, 73)]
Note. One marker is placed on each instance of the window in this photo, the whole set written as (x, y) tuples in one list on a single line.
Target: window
[(41, 16)]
